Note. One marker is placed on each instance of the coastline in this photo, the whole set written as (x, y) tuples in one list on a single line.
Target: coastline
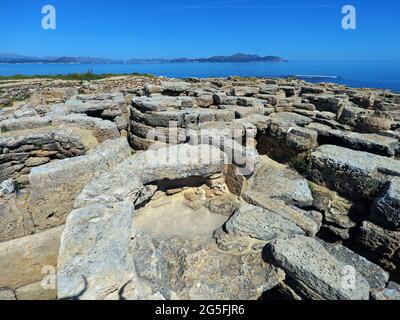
[(357, 74)]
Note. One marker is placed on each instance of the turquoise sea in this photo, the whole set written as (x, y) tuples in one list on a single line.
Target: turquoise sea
[(371, 74)]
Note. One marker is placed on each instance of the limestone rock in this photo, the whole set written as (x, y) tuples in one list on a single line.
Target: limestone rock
[(259, 223), (94, 247), (242, 277), (300, 217), (22, 260), (15, 219), (116, 185), (7, 294), (375, 275), (177, 162), (279, 182), (305, 260), (55, 186), (383, 244), (35, 291), (7, 187), (386, 208), (390, 293), (225, 205), (358, 175)]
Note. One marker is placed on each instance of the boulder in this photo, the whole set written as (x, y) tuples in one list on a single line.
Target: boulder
[(22, 260), (340, 214), (15, 219), (175, 88), (301, 139), (176, 162), (300, 217), (55, 186), (25, 111), (158, 103), (307, 262), (241, 91), (93, 249), (117, 185), (258, 223), (358, 175), (290, 118), (382, 244), (226, 204), (373, 143), (102, 129), (326, 102), (243, 277), (276, 181), (386, 208), (375, 275), (7, 187)]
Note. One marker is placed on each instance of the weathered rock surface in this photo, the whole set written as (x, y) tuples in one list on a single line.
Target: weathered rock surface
[(303, 219), (359, 175), (386, 208), (55, 186), (259, 223), (390, 293), (340, 215), (376, 276), (383, 245), (94, 247), (177, 162), (22, 260), (307, 262), (278, 182)]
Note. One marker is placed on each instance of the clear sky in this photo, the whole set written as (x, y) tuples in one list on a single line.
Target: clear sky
[(293, 29)]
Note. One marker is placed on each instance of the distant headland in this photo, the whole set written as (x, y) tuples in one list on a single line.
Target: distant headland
[(239, 57)]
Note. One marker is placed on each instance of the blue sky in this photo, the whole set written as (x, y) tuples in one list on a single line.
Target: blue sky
[(293, 29)]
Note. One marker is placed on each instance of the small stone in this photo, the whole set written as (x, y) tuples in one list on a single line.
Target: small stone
[(7, 187), (34, 162), (226, 204)]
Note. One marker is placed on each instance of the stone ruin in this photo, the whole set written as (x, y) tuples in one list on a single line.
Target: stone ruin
[(233, 188)]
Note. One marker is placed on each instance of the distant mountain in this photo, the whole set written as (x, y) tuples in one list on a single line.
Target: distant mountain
[(15, 58), (239, 57)]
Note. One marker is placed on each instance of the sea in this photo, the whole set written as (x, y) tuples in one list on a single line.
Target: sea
[(358, 74)]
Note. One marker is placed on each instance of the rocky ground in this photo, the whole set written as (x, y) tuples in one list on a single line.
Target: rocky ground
[(153, 188)]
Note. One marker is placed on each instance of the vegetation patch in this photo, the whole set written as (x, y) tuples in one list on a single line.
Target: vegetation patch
[(87, 76)]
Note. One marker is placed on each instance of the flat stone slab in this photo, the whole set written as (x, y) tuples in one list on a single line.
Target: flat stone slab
[(375, 275), (260, 223), (356, 174), (55, 186), (279, 182), (306, 260)]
